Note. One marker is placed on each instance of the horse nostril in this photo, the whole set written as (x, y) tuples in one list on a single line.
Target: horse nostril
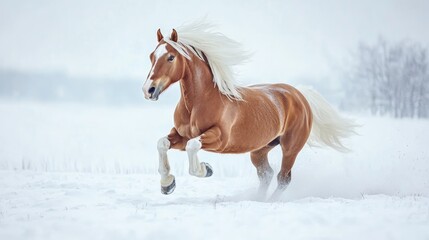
[(151, 90)]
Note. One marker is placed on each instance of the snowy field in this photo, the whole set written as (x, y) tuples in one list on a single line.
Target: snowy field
[(90, 172)]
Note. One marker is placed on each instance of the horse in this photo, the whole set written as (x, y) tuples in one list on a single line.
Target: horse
[(216, 114)]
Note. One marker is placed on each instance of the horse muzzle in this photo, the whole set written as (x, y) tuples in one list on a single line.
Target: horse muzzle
[(152, 90)]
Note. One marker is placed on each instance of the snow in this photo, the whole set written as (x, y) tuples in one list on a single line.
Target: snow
[(40, 205), (90, 172)]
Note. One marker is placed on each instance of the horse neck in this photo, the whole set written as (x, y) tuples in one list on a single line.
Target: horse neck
[(197, 87)]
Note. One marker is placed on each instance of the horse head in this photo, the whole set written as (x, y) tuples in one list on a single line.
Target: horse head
[(168, 67)]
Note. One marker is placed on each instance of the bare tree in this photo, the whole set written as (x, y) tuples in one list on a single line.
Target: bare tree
[(390, 79)]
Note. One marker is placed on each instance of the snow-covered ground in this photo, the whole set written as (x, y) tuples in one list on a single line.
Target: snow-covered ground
[(73, 171)]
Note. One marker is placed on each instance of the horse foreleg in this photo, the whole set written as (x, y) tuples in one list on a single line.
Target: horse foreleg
[(173, 140), (207, 140), (168, 184), (195, 167)]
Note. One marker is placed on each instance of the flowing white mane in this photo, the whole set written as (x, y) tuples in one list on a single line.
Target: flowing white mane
[(221, 52)]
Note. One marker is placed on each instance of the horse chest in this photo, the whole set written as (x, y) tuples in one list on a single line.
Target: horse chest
[(192, 124), (188, 130)]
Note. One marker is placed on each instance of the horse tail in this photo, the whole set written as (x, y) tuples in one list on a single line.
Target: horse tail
[(329, 128)]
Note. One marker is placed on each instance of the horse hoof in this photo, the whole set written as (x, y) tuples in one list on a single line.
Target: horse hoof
[(168, 189), (209, 170)]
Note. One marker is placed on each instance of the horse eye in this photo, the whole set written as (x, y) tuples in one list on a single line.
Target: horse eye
[(170, 58)]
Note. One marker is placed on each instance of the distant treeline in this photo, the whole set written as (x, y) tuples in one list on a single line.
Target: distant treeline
[(389, 79)]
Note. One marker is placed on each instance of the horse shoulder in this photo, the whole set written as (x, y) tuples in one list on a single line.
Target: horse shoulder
[(182, 120)]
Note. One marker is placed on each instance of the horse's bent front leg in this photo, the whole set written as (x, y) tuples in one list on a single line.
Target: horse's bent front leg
[(207, 140), (195, 167)]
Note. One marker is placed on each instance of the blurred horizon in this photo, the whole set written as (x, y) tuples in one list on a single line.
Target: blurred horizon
[(63, 88)]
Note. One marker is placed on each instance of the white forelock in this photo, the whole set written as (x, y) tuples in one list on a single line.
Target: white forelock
[(221, 52)]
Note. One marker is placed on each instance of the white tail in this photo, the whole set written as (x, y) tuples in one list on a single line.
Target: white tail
[(329, 127)]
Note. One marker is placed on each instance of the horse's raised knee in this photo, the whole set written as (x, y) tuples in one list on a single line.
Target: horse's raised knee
[(163, 144), (193, 145)]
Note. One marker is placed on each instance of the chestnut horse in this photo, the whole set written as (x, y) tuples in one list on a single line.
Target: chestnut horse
[(216, 115)]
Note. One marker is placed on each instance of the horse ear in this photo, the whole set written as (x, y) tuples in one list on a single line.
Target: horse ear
[(159, 35), (174, 36)]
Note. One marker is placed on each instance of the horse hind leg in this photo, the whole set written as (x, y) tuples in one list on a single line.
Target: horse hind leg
[(265, 172), (291, 146)]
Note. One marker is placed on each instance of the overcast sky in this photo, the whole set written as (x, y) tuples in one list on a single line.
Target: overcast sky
[(290, 39)]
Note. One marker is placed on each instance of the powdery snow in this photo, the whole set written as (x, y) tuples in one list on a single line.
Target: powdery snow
[(87, 172), (37, 205)]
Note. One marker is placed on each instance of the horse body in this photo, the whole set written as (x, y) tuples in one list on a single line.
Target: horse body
[(279, 106), (214, 115)]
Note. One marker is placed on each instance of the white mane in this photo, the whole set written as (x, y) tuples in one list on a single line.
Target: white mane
[(221, 52)]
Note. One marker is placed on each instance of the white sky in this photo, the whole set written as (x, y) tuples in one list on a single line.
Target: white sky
[(290, 39)]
